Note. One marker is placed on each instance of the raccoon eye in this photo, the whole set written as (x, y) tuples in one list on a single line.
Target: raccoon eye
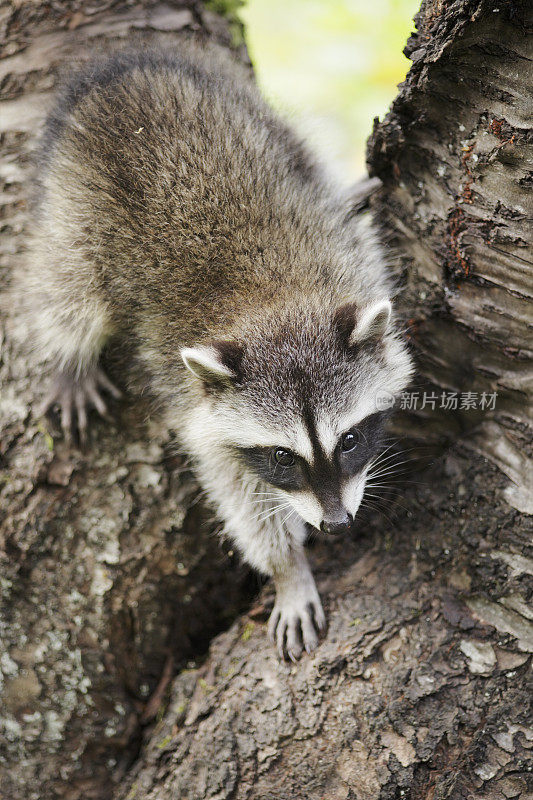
[(283, 457), (348, 442)]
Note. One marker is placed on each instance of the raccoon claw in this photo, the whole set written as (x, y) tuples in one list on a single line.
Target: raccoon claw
[(296, 624), (73, 395)]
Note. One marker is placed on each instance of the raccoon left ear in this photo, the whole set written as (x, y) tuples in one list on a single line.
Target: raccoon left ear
[(217, 363), (357, 326)]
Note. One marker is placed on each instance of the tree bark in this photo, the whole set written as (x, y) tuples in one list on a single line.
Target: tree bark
[(455, 157), (112, 577), (421, 688)]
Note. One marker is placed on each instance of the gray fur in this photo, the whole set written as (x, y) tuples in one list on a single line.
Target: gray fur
[(174, 205)]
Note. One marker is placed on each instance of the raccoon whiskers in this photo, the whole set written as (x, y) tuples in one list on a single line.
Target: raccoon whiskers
[(380, 461), (380, 456), (384, 463), (383, 455), (368, 504), (377, 496), (385, 481), (394, 476), (380, 480), (361, 435), (264, 515), (390, 469), (395, 500), (391, 466), (266, 500), (377, 509), (312, 533), (369, 507), (377, 469), (287, 517), (382, 486)]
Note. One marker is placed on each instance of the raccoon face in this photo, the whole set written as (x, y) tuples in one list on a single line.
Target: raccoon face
[(296, 405), (325, 488)]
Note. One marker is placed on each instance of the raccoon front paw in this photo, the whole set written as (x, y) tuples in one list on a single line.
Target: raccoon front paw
[(297, 621), (74, 394)]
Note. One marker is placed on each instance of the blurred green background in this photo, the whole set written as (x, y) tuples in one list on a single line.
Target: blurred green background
[(331, 66)]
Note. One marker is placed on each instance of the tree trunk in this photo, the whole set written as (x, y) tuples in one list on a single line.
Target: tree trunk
[(455, 156), (112, 577), (420, 689)]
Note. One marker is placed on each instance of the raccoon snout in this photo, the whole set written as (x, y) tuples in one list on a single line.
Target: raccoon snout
[(337, 525)]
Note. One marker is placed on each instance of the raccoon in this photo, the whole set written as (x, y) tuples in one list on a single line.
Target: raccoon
[(175, 206)]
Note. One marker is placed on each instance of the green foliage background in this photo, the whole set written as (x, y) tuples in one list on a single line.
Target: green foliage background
[(331, 66)]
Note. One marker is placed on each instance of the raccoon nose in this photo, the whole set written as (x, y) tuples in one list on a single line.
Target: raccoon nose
[(337, 525)]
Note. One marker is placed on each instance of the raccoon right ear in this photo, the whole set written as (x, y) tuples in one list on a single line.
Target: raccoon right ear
[(214, 364), (372, 322)]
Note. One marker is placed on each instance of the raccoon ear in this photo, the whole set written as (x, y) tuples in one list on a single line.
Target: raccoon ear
[(215, 364), (357, 326), (372, 323)]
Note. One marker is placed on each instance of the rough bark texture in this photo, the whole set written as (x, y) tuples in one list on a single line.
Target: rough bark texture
[(111, 574), (412, 694), (422, 688), (455, 154)]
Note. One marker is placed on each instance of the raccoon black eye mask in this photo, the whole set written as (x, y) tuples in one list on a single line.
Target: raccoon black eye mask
[(288, 471), (194, 222)]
